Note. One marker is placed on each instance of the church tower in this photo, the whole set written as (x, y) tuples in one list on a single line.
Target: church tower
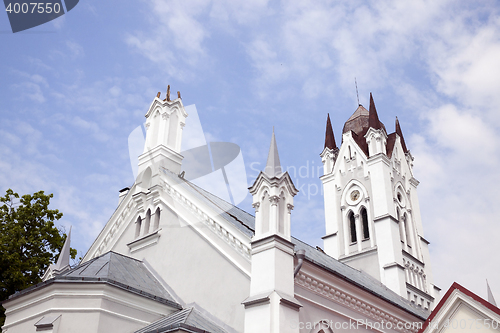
[(271, 306), (372, 212), (165, 120)]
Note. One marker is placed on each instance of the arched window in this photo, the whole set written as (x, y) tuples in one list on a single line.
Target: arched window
[(147, 222), (138, 227), (407, 230), (366, 229), (157, 219), (401, 226), (265, 212), (352, 227), (282, 213)]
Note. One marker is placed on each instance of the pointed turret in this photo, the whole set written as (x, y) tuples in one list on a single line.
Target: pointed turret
[(64, 256), (62, 264), (373, 120), (398, 132), (491, 299), (164, 125), (329, 137), (271, 306), (273, 166)]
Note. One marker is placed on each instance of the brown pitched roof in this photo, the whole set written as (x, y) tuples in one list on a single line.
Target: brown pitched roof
[(391, 140), (398, 132), (329, 137), (373, 120)]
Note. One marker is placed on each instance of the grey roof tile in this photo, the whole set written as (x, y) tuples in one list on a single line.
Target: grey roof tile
[(117, 270), (188, 319)]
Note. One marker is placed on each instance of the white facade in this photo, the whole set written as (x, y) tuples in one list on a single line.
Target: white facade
[(371, 208), (248, 274)]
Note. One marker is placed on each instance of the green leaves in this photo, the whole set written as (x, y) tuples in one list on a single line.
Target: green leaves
[(29, 240)]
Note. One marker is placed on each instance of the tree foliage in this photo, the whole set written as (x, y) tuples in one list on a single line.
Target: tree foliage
[(29, 241)]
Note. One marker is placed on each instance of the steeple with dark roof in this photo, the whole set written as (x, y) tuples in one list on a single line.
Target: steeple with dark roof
[(398, 132), (329, 137), (373, 120)]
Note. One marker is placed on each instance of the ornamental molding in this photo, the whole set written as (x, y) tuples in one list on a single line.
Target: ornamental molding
[(341, 297), (256, 206), (213, 225), (274, 200), (118, 224)]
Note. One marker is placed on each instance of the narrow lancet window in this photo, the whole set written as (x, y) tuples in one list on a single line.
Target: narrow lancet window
[(157, 219), (138, 227), (147, 222), (407, 230), (352, 227), (366, 229)]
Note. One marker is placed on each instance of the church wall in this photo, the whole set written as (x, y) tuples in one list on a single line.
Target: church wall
[(83, 307), (199, 273), (342, 305), (196, 268), (367, 262)]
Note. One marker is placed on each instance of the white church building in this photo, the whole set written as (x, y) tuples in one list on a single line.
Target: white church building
[(175, 258)]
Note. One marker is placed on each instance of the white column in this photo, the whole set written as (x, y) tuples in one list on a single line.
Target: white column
[(359, 232)]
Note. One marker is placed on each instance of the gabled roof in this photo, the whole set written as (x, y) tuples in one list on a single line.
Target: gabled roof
[(246, 223), (114, 269), (189, 320), (463, 290)]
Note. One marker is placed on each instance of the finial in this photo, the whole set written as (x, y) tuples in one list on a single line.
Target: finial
[(179, 95), (491, 299), (329, 137), (400, 133), (373, 120), (64, 255), (357, 95), (168, 93), (158, 95), (273, 166)]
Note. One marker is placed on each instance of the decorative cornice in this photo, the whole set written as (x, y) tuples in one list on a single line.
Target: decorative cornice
[(330, 235), (343, 298), (144, 241), (216, 228)]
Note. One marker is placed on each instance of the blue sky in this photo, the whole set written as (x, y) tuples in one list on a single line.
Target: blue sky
[(72, 90)]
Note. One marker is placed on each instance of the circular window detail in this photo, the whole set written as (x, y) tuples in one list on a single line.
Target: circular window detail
[(354, 196)]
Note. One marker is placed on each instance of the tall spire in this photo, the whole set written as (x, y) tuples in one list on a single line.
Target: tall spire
[(373, 120), (273, 166), (64, 255), (329, 137), (491, 299), (400, 133)]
